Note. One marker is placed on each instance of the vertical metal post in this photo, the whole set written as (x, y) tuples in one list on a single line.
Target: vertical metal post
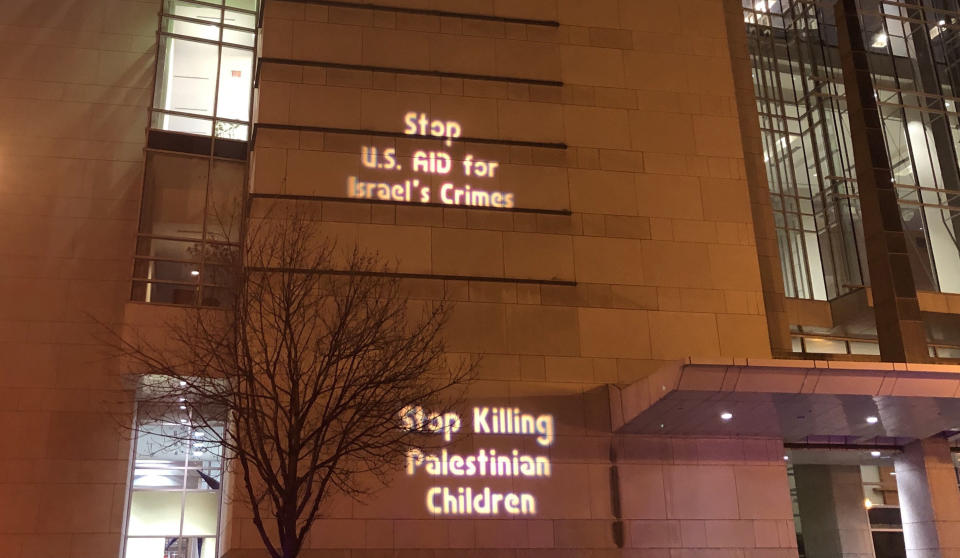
[(900, 328)]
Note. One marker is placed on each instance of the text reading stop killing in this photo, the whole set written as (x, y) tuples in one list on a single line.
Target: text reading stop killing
[(486, 463)]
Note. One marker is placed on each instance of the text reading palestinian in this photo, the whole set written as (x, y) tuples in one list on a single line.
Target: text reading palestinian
[(485, 463)]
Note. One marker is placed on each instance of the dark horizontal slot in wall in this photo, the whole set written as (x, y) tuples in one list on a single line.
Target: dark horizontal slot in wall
[(420, 276), (380, 133), (420, 11), (198, 145), (407, 71), (294, 197)]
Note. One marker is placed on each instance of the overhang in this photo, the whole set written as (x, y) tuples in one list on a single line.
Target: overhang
[(791, 399)]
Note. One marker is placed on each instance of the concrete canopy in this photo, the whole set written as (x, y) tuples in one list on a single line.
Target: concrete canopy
[(791, 399)]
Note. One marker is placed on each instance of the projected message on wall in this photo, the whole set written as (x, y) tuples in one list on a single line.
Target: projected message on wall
[(429, 176), (445, 467)]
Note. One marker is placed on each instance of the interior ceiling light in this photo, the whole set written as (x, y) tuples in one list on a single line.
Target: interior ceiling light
[(726, 415), (872, 420), (875, 453), (879, 40)]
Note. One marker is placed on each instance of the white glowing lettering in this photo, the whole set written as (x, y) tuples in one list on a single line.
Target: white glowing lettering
[(400, 192), (476, 170), (482, 463), (369, 158), (506, 420), (416, 419), (473, 197), (483, 169), (419, 124), (431, 162), (442, 500)]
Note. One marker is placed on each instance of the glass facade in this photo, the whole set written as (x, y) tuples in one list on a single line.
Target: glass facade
[(807, 148), (205, 69), (190, 221), (191, 210), (173, 507)]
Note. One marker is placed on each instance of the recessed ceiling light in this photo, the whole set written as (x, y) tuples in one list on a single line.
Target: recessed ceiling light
[(872, 420), (195, 272), (875, 453), (786, 458), (726, 415)]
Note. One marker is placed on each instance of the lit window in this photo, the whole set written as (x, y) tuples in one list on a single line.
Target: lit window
[(205, 68), (174, 499)]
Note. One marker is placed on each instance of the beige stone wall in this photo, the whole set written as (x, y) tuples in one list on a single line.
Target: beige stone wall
[(646, 252), (655, 260), (75, 78), (608, 495), (659, 240)]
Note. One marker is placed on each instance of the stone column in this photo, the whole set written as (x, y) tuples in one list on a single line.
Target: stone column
[(764, 229), (929, 499), (832, 516)]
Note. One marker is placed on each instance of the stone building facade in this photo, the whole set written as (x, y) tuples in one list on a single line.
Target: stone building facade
[(586, 179)]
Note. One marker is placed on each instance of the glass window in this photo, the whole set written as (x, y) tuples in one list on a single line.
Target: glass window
[(175, 493), (190, 223), (801, 105), (205, 68)]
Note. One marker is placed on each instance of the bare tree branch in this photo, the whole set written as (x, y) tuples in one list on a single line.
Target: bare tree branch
[(311, 366)]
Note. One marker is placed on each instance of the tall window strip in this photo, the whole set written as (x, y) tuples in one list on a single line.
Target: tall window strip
[(807, 150), (194, 176), (914, 59), (174, 500)]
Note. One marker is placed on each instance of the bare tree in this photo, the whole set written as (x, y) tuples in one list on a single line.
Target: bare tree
[(311, 366)]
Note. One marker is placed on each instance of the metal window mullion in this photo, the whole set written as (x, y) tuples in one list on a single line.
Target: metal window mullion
[(205, 41), (846, 170), (197, 116), (183, 239), (901, 108), (207, 22), (210, 166), (798, 253), (822, 124), (183, 485), (813, 143), (220, 6)]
